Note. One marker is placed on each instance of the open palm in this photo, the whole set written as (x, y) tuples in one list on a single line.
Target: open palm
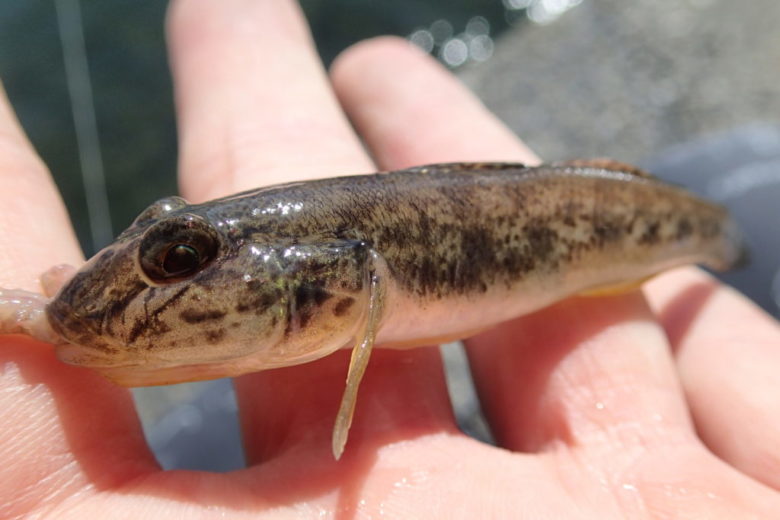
[(603, 408)]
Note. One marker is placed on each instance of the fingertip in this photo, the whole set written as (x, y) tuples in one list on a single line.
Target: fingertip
[(379, 52), (34, 220), (411, 110), (253, 103)]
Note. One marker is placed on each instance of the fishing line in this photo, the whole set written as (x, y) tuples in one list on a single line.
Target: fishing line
[(82, 104)]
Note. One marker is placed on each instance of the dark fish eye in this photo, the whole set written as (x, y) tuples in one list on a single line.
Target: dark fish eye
[(181, 259), (177, 248)]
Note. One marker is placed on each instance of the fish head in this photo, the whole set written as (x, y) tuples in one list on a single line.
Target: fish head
[(185, 295)]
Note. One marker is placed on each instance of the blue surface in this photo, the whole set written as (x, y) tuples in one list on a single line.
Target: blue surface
[(740, 169)]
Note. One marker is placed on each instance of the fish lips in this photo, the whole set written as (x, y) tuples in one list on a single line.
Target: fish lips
[(82, 344)]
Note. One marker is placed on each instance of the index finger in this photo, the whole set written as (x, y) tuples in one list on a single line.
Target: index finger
[(250, 115), (34, 226)]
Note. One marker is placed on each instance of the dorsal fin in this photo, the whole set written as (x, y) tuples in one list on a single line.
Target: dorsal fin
[(603, 163), (467, 167)]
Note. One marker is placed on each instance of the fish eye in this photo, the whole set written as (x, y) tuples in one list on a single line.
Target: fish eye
[(177, 248), (181, 259)]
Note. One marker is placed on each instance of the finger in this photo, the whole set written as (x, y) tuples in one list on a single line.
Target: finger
[(585, 366), (254, 116), (728, 354), (432, 118), (401, 397), (34, 226), (586, 371), (253, 101), (64, 429)]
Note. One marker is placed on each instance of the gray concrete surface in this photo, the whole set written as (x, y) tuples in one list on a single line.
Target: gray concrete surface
[(630, 78)]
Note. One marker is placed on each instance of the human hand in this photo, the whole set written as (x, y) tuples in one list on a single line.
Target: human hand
[(596, 412)]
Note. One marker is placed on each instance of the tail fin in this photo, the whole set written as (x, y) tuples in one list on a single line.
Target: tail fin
[(733, 251)]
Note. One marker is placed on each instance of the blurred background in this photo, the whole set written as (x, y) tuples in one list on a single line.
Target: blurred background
[(685, 88)]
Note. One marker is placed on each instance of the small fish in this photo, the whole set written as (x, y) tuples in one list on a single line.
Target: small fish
[(287, 274)]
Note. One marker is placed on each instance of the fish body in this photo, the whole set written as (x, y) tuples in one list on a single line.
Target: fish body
[(286, 274), (458, 247)]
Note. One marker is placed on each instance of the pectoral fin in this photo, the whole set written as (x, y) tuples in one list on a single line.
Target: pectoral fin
[(357, 365)]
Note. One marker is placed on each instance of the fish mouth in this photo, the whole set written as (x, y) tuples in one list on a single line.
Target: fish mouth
[(67, 323), (82, 344)]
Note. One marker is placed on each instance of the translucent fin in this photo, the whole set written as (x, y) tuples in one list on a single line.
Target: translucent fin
[(606, 164), (357, 366), (618, 288), (466, 167), (599, 163)]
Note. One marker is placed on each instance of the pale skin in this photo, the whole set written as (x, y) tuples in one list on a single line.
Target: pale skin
[(659, 403)]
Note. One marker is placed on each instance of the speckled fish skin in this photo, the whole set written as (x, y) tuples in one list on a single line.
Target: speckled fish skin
[(459, 247)]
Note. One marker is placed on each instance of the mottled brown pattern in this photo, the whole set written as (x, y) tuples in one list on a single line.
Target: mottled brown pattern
[(214, 336), (454, 229), (343, 306), (292, 261), (199, 316)]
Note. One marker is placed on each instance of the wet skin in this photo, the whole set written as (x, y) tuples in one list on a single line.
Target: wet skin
[(287, 274)]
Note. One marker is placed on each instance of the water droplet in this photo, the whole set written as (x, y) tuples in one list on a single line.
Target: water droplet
[(481, 47), (516, 5), (454, 52), (546, 11), (477, 26), (441, 30), (423, 39)]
